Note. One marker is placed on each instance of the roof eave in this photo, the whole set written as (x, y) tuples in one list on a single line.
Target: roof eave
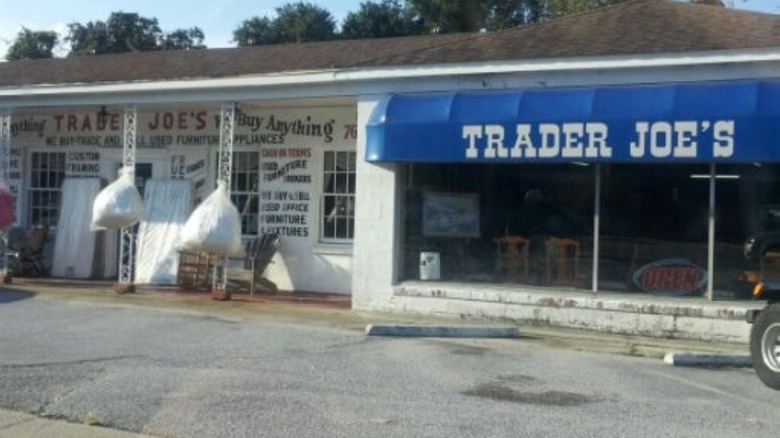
[(216, 89)]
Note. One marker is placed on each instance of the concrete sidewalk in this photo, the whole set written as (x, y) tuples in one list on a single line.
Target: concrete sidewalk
[(19, 425), (609, 323)]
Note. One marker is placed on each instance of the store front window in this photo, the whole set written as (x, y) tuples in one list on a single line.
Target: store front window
[(532, 225), (747, 227), (505, 223), (338, 196), (654, 228)]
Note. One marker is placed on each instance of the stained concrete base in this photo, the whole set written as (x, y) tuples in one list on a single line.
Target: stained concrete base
[(691, 318)]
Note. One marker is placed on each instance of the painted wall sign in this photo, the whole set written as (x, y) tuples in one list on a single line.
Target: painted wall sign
[(288, 141), (195, 128), (285, 196), (14, 178), (82, 164), (671, 276), (660, 123)]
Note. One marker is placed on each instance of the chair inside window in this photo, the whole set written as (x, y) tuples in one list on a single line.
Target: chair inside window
[(512, 258), (562, 261)]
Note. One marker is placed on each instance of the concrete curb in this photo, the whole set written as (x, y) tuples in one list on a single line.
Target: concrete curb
[(708, 360), (441, 331)]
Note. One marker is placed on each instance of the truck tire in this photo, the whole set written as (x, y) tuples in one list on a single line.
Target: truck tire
[(765, 346)]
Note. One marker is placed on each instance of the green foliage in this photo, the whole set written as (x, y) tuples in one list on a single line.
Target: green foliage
[(379, 20), (129, 32), (302, 22), (255, 31), (32, 45), (294, 23), (446, 16), (184, 39), (122, 32)]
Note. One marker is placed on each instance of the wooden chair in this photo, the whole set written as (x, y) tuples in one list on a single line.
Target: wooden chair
[(259, 253), (28, 260), (512, 254), (562, 261)]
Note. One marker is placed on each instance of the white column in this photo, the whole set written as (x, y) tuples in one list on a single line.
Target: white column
[(376, 247), (127, 235), (5, 157), (224, 171)]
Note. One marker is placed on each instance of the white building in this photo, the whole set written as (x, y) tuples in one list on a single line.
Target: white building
[(611, 131)]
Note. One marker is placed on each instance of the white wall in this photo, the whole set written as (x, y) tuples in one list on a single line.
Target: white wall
[(376, 246)]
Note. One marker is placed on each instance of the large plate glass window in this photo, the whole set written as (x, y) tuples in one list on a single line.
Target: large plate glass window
[(47, 170), (338, 197)]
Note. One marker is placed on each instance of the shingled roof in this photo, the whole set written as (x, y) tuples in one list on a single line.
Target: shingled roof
[(632, 28)]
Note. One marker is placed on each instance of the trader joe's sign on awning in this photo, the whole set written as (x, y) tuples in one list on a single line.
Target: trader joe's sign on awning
[(671, 276)]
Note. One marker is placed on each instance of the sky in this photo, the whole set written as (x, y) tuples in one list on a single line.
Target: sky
[(217, 18)]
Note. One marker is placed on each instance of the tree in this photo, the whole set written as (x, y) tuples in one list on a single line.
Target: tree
[(448, 16), (302, 22), (32, 45), (122, 32), (445, 16), (255, 32), (184, 39), (294, 23), (129, 32), (378, 20)]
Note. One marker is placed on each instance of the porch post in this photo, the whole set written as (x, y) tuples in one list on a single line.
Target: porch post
[(5, 157), (127, 234), (224, 171)]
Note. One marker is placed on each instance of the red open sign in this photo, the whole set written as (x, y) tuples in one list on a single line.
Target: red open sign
[(676, 276)]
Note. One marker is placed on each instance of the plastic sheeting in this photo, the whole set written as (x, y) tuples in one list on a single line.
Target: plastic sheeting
[(74, 246), (215, 226), (119, 205), (168, 204)]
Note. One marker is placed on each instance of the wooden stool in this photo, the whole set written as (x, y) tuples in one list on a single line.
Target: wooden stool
[(562, 260), (512, 257)]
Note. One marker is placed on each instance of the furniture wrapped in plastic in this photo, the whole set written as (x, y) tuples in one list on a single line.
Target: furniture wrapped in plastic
[(74, 246), (168, 203), (119, 205), (214, 227)]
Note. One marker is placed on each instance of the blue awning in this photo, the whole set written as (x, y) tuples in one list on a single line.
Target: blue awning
[(703, 122)]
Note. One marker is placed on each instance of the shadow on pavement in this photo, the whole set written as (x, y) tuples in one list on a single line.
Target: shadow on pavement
[(11, 295)]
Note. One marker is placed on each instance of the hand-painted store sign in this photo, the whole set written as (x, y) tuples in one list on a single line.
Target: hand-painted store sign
[(163, 129), (286, 191), (663, 123), (672, 276)]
